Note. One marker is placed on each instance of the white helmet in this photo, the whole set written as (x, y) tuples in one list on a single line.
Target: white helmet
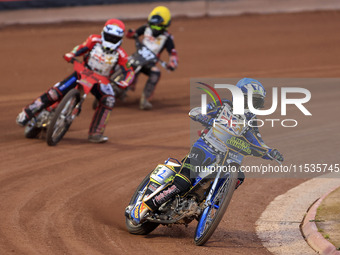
[(112, 34)]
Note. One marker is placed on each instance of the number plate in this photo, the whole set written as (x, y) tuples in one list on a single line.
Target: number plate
[(161, 174)]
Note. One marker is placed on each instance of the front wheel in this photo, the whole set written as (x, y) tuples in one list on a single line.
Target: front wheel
[(146, 227), (63, 117), (213, 214)]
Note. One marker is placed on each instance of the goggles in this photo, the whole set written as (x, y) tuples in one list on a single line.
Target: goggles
[(157, 27), (111, 38)]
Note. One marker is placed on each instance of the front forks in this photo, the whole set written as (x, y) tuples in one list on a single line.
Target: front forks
[(78, 108), (212, 191), (213, 186)]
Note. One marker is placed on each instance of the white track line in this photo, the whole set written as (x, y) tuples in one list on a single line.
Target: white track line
[(279, 225)]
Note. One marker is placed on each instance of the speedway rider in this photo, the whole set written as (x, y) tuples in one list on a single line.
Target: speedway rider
[(156, 38), (208, 148), (102, 53)]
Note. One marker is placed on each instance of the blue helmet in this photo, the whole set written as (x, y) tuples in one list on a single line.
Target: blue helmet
[(256, 88)]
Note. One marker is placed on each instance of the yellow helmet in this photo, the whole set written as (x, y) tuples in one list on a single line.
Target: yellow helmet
[(160, 16)]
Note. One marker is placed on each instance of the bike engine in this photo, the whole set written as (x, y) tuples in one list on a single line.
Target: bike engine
[(178, 211), (43, 119)]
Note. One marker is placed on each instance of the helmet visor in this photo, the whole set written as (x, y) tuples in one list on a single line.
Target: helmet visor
[(111, 38), (156, 20), (258, 102)]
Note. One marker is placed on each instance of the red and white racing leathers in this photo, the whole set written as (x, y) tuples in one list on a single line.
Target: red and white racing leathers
[(101, 62)]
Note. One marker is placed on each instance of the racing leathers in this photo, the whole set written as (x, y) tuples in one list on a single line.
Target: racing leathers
[(156, 43), (100, 61), (221, 128)]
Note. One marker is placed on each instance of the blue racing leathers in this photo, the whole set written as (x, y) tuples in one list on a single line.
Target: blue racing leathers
[(221, 126), (220, 123)]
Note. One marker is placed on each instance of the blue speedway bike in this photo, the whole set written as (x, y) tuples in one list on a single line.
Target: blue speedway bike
[(206, 201)]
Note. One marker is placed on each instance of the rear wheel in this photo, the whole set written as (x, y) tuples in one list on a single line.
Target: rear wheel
[(213, 214), (63, 117), (146, 227)]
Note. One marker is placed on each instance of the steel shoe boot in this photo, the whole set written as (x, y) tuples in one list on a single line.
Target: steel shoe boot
[(144, 104), (138, 213), (22, 119), (98, 139)]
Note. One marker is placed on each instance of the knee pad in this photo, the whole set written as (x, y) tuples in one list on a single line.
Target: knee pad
[(154, 77), (199, 157), (107, 101), (151, 83)]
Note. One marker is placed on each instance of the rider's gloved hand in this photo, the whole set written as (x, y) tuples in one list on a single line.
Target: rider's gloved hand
[(69, 56), (172, 64), (276, 155), (131, 33)]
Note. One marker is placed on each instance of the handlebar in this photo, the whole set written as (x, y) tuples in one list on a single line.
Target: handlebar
[(269, 156), (163, 64), (74, 59), (173, 160)]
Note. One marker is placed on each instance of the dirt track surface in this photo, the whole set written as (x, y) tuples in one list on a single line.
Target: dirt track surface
[(70, 199)]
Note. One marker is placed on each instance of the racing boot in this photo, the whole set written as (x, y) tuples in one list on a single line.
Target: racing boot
[(180, 185), (29, 111), (98, 138), (152, 202), (46, 99), (22, 118), (138, 212), (144, 104)]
